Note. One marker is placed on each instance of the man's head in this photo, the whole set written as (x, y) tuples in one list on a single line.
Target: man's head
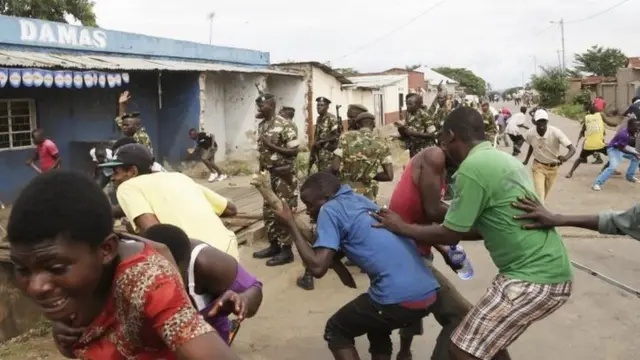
[(635, 98), (38, 136), (463, 128), (523, 109), (175, 239), (365, 120), (541, 119), (354, 110), (131, 123), (193, 134), (62, 243), (100, 153), (322, 105), (128, 162), (266, 104), (317, 190), (414, 103), (441, 98), (485, 106), (287, 112)]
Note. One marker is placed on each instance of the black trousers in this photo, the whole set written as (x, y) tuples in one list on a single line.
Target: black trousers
[(518, 141), (364, 316)]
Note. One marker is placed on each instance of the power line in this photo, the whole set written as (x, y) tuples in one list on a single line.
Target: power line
[(392, 31), (598, 13)]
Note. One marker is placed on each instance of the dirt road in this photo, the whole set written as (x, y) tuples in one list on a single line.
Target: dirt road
[(599, 322)]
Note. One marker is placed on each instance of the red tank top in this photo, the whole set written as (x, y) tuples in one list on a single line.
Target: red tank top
[(407, 202)]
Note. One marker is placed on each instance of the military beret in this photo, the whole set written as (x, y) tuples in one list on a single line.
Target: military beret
[(365, 115), (131, 115), (288, 108), (323, 99), (410, 95), (357, 107), (264, 97)]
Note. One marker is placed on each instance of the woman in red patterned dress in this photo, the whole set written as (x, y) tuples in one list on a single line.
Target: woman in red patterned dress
[(107, 297)]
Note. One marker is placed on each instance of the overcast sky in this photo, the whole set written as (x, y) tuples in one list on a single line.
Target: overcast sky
[(497, 39)]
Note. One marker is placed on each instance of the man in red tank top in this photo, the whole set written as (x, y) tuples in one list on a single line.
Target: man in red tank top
[(417, 199)]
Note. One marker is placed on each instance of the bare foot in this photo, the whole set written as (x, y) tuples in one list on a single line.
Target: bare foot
[(569, 175)]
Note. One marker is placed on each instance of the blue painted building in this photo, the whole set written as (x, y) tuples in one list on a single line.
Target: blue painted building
[(67, 79)]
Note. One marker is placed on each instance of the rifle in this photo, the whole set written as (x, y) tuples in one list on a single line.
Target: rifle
[(339, 119), (260, 92)]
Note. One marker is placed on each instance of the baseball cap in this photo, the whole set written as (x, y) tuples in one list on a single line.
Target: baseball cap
[(541, 114), (131, 154)]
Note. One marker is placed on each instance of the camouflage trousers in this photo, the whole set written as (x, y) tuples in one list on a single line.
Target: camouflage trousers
[(325, 157), (286, 189)]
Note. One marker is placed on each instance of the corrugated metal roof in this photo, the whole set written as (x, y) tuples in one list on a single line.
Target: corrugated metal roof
[(13, 58), (375, 81), (434, 78)]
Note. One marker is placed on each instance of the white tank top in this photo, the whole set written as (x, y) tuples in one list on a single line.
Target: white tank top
[(200, 300)]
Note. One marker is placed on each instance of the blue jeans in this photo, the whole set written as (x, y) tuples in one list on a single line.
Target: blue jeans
[(615, 158)]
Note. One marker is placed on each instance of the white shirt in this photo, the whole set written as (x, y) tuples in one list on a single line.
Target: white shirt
[(514, 122), (493, 110), (546, 149)]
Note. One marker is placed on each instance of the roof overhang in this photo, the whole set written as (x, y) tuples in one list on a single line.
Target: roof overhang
[(35, 59)]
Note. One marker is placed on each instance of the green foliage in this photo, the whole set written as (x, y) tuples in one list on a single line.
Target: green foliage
[(582, 98), (412, 67), (570, 111), (347, 71), (511, 91), (552, 85), (52, 10), (474, 84), (600, 61)]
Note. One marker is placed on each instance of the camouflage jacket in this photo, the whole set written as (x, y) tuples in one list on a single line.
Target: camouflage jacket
[(421, 122), (141, 136), (363, 153), (281, 133), (327, 126), (439, 113), (490, 127)]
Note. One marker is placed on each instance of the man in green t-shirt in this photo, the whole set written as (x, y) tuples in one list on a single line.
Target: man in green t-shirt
[(534, 272)]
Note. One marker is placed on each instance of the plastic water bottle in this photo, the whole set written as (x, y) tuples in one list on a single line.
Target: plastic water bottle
[(459, 257)]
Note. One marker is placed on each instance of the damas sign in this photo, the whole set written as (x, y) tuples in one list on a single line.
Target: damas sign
[(62, 35)]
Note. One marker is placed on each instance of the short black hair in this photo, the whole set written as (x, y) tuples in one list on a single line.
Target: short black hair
[(323, 183), (523, 109), (192, 129), (122, 142), (635, 98), (466, 123), (172, 237), (60, 202)]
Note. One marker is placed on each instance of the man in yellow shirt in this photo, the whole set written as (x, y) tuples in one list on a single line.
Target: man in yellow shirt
[(593, 133), (148, 199)]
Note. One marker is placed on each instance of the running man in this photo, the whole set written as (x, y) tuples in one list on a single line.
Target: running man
[(617, 150), (514, 129), (208, 148), (593, 132), (534, 272)]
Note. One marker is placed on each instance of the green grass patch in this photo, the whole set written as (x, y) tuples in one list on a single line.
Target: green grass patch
[(570, 111)]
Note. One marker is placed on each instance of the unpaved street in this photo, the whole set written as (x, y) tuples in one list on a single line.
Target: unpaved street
[(599, 322)]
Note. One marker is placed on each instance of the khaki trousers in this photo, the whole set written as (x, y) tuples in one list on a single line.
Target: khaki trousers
[(543, 178)]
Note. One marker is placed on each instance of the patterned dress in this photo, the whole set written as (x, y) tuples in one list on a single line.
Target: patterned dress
[(147, 316)]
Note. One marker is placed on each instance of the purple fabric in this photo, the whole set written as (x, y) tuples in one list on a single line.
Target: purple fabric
[(243, 282), (621, 139)]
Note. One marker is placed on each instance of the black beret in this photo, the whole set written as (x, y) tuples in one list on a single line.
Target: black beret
[(323, 99), (288, 108), (264, 97), (365, 115)]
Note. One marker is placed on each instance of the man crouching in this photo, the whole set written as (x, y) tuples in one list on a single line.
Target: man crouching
[(402, 287)]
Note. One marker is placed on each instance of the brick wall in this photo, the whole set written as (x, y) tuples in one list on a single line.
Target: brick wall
[(391, 117)]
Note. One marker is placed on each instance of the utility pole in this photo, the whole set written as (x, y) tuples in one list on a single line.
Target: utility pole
[(210, 18), (559, 61), (562, 63)]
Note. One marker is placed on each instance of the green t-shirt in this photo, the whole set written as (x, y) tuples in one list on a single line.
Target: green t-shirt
[(486, 184)]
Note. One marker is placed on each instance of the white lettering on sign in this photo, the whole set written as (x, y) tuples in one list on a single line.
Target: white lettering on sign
[(64, 35)]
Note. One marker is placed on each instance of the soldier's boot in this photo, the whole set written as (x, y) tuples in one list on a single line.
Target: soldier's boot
[(305, 281), (273, 250), (284, 257)]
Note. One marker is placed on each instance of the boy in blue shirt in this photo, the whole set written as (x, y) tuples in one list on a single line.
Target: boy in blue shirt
[(402, 287)]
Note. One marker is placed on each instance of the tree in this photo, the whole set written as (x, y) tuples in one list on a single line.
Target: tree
[(474, 84), (347, 71), (511, 91), (52, 10), (552, 85), (412, 67), (600, 61)]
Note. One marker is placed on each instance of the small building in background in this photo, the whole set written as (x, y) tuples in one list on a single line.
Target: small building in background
[(67, 79), (433, 79), (388, 94)]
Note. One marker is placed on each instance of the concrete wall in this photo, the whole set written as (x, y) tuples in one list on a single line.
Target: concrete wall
[(328, 86), (626, 78), (390, 100), (74, 119), (291, 91)]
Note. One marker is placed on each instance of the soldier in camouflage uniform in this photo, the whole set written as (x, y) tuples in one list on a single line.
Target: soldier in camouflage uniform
[(441, 108), (360, 156), (420, 129), (278, 148), (352, 112), (326, 135), (490, 127), (130, 124)]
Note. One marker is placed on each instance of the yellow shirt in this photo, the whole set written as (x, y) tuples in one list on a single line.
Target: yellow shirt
[(594, 132), (176, 199)]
